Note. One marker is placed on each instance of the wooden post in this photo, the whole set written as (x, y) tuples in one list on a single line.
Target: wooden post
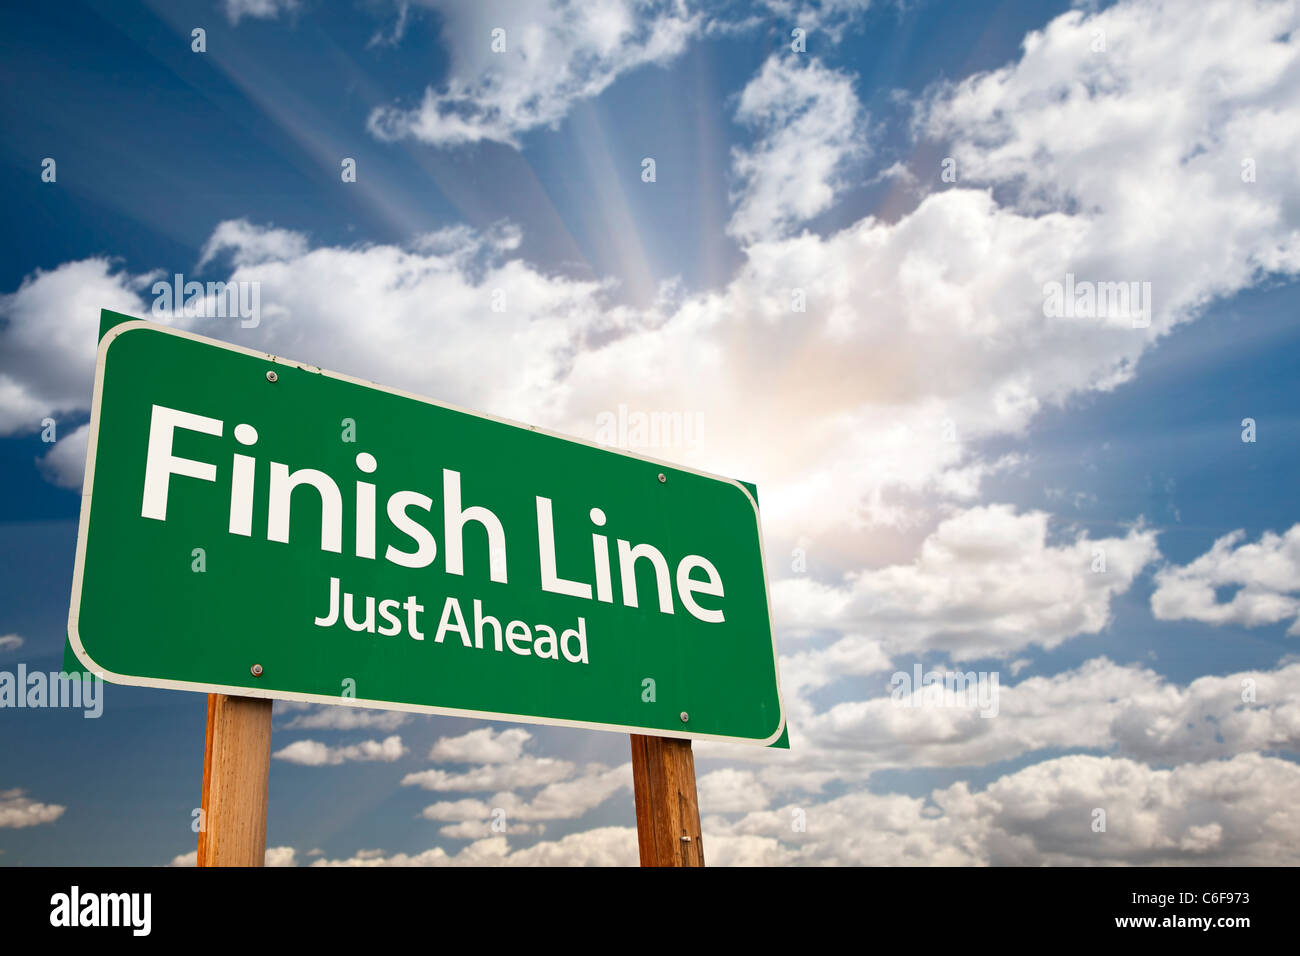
[(667, 811), (236, 762)]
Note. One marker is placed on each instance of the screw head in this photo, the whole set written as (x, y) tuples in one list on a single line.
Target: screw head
[(271, 376), (685, 717), (257, 670), (662, 477)]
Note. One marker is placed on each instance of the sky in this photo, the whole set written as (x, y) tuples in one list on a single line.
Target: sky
[(838, 236)]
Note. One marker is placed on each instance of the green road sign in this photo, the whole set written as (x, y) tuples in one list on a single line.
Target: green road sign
[(255, 526)]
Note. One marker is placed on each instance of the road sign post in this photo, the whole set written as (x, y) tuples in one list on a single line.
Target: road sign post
[(236, 763), (667, 808)]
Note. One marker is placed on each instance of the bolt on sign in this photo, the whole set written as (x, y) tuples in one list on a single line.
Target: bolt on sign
[(254, 526)]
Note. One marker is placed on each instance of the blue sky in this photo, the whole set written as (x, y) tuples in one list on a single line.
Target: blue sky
[(944, 455)]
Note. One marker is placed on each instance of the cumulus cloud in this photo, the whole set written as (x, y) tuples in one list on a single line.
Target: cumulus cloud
[(986, 583), (486, 829), (570, 799), (1265, 576), (1221, 812), (603, 846), (550, 55), (10, 642), (1224, 812), (1218, 812), (312, 753), (850, 656), (47, 345), (281, 856), (336, 717), (18, 810), (730, 790), (248, 244), (1054, 123), (485, 745), (1100, 706), (1109, 709), (807, 118), (525, 771), (275, 856), (65, 463), (502, 768), (566, 800)]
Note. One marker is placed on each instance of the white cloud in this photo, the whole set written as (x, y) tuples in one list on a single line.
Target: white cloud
[(341, 717), (483, 829), (604, 846), (730, 790), (257, 9), (986, 582), (10, 642), (1235, 812), (1147, 139), (47, 346), (502, 769), (522, 772), (1222, 812), (485, 745), (281, 856), (850, 656), (459, 810), (1219, 812), (807, 117), (312, 753), (1212, 717), (556, 53), (250, 245), (570, 799), (1225, 812), (1123, 710), (565, 800), (65, 463), (18, 811), (1266, 572), (1099, 705), (275, 856)]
